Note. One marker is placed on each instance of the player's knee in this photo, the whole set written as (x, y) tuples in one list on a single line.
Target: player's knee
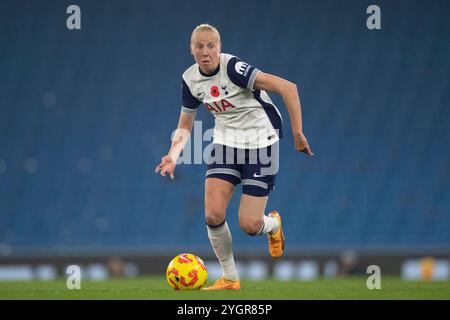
[(214, 217), (250, 227)]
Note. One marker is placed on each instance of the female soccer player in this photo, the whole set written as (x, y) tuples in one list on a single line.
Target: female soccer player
[(245, 146)]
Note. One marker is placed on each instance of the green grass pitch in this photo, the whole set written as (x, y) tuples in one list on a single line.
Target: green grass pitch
[(157, 288)]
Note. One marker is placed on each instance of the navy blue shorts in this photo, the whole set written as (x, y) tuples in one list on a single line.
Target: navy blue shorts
[(256, 169)]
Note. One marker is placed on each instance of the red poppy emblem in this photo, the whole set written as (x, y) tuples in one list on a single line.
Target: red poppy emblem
[(215, 91)]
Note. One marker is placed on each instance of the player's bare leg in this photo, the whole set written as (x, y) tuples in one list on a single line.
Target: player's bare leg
[(218, 193), (253, 221)]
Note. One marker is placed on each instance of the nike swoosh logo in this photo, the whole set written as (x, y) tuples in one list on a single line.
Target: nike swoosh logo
[(259, 175)]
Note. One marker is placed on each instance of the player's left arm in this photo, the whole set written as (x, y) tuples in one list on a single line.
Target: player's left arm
[(289, 93)]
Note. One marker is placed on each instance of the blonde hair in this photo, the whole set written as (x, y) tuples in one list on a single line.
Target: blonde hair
[(205, 27)]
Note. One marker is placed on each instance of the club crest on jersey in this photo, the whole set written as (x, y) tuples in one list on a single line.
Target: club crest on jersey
[(224, 88), (219, 106), (215, 91)]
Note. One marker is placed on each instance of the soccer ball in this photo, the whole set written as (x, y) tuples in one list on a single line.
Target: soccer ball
[(186, 272)]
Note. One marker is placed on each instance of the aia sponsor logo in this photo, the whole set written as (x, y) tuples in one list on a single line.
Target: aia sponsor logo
[(219, 106)]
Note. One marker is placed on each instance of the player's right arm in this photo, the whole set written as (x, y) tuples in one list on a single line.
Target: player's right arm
[(189, 108), (180, 138)]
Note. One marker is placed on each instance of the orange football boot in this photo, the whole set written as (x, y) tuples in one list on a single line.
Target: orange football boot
[(224, 284), (276, 240)]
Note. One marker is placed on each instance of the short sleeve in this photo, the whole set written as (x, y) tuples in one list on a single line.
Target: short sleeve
[(241, 73), (189, 102)]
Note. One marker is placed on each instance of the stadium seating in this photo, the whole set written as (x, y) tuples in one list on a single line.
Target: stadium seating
[(86, 115)]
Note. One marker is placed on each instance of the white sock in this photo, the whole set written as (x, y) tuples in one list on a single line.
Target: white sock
[(221, 242), (270, 225)]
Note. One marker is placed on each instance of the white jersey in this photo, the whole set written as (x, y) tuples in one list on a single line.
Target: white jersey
[(244, 117)]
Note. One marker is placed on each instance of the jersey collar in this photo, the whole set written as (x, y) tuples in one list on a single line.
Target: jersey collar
[(211, 74)]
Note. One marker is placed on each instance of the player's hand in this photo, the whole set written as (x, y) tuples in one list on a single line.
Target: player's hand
[(167, 165), (301, 144)]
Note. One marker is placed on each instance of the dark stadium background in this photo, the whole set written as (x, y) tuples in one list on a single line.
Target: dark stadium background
[(86, 115)]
